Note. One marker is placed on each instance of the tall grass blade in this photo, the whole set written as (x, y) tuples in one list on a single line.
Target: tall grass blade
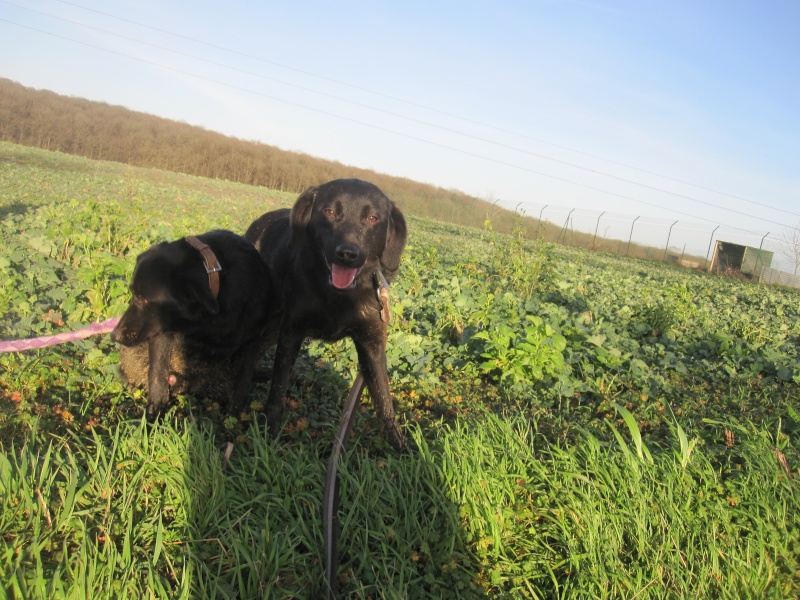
[(159, 543), (636, 435), (686, 447)]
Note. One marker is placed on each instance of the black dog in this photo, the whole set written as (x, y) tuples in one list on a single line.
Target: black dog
[(197, 320), (328, 257)]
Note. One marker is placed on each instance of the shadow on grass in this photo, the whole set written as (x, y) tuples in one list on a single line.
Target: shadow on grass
[(254, 522), (13, 209), (483, 508)]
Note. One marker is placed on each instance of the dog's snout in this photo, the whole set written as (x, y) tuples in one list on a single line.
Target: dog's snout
[(347, 253), (122, 336), (118, 333)]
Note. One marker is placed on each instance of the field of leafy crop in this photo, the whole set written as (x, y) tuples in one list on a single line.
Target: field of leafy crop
[(585, 425)]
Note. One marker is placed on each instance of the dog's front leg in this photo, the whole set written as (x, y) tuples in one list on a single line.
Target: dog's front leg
[(285, 356), (159, 352), (372, 361)]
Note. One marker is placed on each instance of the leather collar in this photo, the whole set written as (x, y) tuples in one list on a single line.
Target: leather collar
[(211, 263)]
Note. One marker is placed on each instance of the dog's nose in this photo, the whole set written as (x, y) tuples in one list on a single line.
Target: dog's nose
[(347, 253)]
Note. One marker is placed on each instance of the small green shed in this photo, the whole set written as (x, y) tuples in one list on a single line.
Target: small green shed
[(744, 259)]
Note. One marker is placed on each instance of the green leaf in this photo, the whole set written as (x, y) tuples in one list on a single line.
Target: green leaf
[(597, 339)]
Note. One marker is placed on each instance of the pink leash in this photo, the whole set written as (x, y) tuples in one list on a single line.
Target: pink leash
[(59, 338)]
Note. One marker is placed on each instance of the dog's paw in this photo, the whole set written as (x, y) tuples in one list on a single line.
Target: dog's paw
[(151, 413), (154, 410), (275, 420)]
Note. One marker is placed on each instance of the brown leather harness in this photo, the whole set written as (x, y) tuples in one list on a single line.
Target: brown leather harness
[(211, 263)]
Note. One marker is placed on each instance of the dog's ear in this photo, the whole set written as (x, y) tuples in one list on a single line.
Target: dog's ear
[(396, 235), (301, 213)]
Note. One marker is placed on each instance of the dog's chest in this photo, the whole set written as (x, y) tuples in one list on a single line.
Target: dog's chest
[(336, 318)]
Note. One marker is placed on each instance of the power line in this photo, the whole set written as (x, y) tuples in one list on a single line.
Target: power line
[(387, 130), (446, 113), (395, 114)]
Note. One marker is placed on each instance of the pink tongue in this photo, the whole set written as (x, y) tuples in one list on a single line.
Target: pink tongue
[(342, 277)]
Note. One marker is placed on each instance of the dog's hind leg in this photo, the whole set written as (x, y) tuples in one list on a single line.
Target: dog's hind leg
[(285, 356), (244, 366), (159, 351)]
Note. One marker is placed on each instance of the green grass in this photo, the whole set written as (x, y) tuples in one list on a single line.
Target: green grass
[(584, 426), (483, 509)]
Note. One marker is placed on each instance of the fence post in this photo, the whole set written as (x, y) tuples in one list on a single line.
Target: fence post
[(759, 251), (539, 226), (564, 229), (669, 235), (709, 247), (630, 237), (596, 227)]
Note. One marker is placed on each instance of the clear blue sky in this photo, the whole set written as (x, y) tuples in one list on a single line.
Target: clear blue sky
[(636, 108)]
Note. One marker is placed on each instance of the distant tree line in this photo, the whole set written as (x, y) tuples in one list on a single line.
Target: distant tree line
[(101, 131)]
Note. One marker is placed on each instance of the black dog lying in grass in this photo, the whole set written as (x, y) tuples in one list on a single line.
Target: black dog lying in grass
[(196, 323), (328, 258)]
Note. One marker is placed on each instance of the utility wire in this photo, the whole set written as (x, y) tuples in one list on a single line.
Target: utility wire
[(387, 130), (433, 109), (402, 116)]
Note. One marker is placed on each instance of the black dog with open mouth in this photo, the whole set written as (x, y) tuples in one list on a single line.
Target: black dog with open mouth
[(327, 257), (196, 322)]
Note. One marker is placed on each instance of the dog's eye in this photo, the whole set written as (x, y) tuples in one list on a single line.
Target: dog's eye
[(329, 212), (372, 219)]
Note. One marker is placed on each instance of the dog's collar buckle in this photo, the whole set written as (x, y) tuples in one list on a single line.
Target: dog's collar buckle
[(210, 262)]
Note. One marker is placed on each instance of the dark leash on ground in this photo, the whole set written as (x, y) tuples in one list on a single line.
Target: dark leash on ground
[(330, 502)]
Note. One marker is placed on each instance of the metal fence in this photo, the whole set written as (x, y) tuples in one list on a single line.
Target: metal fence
[(683, 241), (775, 277)]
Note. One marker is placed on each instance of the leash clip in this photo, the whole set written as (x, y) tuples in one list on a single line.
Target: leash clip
[(382, 291)]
